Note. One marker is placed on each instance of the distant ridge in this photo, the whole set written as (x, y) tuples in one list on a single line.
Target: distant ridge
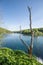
[(3, 30), (37, 31)]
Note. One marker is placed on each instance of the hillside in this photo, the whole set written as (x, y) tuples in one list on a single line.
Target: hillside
[(11, 57), (2, 30), (37, 31)]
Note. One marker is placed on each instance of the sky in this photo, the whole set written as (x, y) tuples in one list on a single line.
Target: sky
[(14, 13)]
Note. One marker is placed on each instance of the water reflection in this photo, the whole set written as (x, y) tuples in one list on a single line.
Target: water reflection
[(1, 39), (13, 41)]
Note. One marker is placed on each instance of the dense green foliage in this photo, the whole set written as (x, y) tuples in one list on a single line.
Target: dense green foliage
[(11, 57), (37, 31), (2, 30)]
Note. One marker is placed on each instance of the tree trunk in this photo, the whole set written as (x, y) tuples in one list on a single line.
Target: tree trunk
[(32, 33)]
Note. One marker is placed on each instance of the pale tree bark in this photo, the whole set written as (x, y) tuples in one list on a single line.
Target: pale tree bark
[(30, 48), (32, 33)]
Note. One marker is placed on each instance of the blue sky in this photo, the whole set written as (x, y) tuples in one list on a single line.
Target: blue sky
[(14, 13)]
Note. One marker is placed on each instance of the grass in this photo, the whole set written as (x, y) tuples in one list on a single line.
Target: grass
[(16, 57)]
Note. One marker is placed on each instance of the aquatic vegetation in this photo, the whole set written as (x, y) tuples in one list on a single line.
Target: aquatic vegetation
[(16, 57)]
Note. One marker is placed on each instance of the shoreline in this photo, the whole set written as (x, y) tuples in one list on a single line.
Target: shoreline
[(39, 60)]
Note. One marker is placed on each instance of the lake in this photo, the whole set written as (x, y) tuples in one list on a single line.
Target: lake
[(13, 41)]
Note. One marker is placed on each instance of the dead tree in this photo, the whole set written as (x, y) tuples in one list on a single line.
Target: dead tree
[(20, 31), (30, 48), (32, 33), (23, 40)]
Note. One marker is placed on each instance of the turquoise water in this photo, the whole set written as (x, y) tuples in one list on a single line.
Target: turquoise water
[(13, 41)]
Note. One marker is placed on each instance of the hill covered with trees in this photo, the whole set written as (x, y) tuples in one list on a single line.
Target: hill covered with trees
[(2, 30), (37, 31)]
